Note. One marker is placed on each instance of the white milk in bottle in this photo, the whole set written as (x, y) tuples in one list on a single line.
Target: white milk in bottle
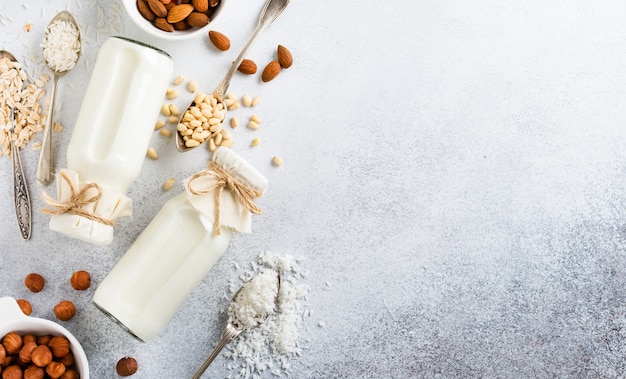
[(110, 139), (180, 245)]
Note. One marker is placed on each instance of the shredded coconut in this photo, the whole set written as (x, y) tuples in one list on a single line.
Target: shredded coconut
[(272, 345), (255, 301), (61, 45)]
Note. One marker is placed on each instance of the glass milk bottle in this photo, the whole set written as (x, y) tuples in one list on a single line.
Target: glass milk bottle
[(180, 245), (110, 139)]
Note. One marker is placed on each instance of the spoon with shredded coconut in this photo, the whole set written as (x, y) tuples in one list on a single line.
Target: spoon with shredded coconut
[(61, 49), (249, 308)]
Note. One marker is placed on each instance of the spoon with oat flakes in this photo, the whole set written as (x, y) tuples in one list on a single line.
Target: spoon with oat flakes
[(20, 190)]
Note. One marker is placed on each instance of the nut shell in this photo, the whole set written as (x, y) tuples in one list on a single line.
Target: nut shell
[(126, 366), (25, 306), (65, 310), (34, 282)]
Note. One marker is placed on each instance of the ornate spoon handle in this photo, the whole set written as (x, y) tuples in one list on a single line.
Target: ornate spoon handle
[(228, 334), (21, 197)]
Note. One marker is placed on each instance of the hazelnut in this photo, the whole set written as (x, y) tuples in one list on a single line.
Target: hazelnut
[(26, 351), (29, 338), (70, 374), (25, 306), (12, 343), (65, 310), (34, 372), (59, 346), (67, 359), (3, 354), (12, 372), (43, 340), (81, 280), (126, 366), (41, 356), (55, 370), (34, 282)]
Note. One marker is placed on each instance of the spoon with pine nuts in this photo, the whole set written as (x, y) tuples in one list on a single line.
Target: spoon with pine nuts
[(204, 116)]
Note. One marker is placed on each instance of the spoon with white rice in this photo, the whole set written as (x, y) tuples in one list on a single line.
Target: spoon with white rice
[(250, 307), (61, 50)]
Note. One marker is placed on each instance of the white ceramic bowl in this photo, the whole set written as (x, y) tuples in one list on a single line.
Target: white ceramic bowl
[(176, 35), (13, 320)]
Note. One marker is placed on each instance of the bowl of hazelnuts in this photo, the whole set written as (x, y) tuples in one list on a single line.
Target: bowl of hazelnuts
[(173, 19), (32, 347)]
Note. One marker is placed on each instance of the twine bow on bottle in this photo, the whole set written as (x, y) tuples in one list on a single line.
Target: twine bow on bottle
[(77, 202), (224, 180)]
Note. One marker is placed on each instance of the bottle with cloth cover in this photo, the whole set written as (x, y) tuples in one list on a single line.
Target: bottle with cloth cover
[(110, 139), (181, 244)]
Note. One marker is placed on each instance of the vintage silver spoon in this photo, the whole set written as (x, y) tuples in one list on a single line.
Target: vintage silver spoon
[(20, 190), (270, 12), (230, 332), (45, 167)]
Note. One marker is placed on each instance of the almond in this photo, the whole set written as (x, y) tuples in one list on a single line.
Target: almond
[(182, 25), (145, 11), (162, 24), (201, 5), (158, 8), (179, 13), (284, 57), (220, 41), (271, 71), (247, 66), (214, 3), (197, 19)]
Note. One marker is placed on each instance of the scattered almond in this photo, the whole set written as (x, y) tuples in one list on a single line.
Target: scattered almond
[(284, 57), (271, 71), (219, 40), (247, 66)]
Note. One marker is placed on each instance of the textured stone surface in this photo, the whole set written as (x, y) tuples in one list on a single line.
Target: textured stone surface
[(453, 180)]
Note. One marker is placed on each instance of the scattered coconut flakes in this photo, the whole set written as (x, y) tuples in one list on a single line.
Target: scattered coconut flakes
[(272, 345)]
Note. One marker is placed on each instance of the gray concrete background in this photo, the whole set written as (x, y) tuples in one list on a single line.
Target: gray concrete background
[(453, 180)]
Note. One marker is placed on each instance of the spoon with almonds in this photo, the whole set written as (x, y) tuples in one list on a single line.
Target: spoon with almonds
[(250, 307), (211, 106)]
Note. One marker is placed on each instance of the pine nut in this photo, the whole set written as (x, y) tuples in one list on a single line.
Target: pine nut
[(253, 125), (234, 122), (172, 119), (226, 134), (165, 132), (179, 79), (255, 118), (233, 106), (277, 161), (171, 94), (218, 138), (192, 86), (256, 141), (256, 101), (192, 143), (246, 100), (159, 124), (212, 146), (169, 183), (181, 127), (152, 154), (165, 109), (174, 110), (227, 143)]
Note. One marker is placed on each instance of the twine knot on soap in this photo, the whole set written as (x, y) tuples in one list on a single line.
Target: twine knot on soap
[(224, 180), (78, 200)]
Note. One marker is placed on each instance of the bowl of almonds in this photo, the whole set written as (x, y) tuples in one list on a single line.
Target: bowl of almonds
[(173, 19), (32, 347)]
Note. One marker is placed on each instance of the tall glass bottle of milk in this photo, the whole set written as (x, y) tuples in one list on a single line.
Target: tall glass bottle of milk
[(180, 245), (110, 139)]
